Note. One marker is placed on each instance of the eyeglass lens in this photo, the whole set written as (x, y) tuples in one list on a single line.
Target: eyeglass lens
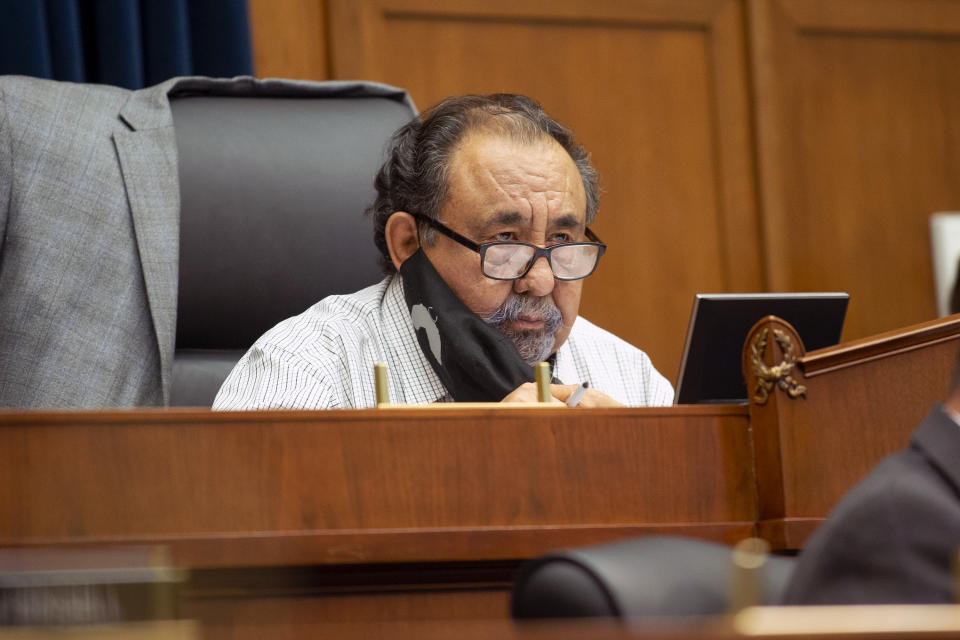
[(569, 261)]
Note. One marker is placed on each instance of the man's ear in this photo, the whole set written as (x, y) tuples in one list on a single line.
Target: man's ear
[(401, 236)]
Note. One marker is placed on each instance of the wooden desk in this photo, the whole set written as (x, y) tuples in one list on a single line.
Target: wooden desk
[(861, 402), (296, 519), (371, 486), (386, 514)]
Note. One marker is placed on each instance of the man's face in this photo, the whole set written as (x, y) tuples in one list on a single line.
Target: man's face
[(503, 190)]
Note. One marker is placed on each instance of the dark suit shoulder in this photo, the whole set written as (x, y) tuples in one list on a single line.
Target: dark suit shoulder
[(890, 539)]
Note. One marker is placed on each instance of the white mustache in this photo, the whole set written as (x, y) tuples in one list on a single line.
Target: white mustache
[(518, 306)]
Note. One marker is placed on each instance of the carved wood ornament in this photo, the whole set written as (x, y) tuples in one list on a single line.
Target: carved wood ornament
[(778, 374)]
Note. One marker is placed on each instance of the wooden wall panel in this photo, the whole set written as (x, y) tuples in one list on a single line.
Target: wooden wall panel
[(289, 39), (655, 90), (858, 120)]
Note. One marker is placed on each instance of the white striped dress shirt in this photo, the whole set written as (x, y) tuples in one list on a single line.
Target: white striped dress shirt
[(324, 357)]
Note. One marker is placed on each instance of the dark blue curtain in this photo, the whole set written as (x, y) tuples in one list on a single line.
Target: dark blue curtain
[(127, 43)]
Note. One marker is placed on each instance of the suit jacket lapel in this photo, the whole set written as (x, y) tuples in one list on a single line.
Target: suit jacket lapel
[(148, 161), (938, 436)]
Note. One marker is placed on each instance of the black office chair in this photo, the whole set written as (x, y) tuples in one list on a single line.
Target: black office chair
[(655, 577), (273, 186)]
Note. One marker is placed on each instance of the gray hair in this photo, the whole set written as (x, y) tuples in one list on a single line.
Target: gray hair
[(414, 176)]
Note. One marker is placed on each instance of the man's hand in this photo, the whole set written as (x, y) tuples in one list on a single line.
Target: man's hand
[(527, 392)]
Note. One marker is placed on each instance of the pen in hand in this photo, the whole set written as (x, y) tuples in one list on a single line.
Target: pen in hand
[(577, 394)]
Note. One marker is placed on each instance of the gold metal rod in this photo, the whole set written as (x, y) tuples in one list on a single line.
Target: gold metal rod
[(380, 383), (542, 371), (749, 556)]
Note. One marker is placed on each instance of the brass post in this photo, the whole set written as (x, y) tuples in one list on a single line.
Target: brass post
[(542, 371), (746, 587), (380, 383)]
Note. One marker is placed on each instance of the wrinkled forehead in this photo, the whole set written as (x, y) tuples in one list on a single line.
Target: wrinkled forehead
[(495, 178)]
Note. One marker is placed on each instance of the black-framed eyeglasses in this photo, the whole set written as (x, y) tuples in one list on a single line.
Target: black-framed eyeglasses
[(512, 260)]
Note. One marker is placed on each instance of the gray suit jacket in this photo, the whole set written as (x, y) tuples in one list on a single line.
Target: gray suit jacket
[(89, 224), (893, 537), (89, 205)]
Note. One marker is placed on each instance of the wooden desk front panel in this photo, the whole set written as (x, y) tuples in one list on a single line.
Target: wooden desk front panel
[(353, 487), (849, 421), (299, 617), (863, 400)]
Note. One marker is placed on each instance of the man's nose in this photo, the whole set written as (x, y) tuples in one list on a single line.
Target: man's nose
[(538, 281)]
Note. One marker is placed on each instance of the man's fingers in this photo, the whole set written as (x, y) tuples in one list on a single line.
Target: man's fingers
[(562, 391), (594, 398)]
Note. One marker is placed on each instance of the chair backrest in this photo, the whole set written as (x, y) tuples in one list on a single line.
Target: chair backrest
[(273, 192), (647, 578), (945, 252)]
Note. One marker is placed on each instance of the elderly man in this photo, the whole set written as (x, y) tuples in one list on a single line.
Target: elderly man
[(481, 219)]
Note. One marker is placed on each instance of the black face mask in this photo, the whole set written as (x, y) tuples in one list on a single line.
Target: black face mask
[(475, 361)]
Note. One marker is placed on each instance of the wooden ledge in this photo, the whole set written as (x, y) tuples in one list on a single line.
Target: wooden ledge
[(882, 345)]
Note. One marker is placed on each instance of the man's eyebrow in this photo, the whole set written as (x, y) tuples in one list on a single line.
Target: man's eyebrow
[(566, 221), (501, 218), (510, 218)]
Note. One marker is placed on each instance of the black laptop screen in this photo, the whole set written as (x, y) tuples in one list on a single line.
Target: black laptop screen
[(719, 322)]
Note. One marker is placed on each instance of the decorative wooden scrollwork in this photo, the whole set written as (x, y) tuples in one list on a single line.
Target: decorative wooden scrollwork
[(779, 374)]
